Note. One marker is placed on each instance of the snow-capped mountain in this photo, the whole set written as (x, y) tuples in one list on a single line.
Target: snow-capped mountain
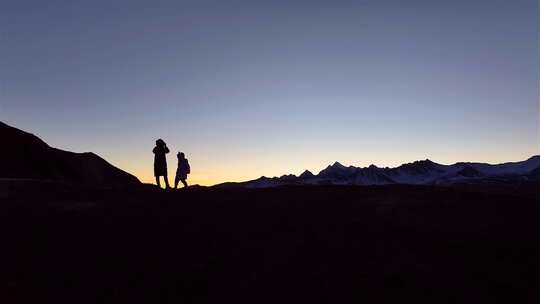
[(424, 172)]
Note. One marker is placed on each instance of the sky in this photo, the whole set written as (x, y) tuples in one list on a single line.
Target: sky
[(252, 88)]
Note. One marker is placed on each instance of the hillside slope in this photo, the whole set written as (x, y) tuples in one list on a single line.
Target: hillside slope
[(25, 156)]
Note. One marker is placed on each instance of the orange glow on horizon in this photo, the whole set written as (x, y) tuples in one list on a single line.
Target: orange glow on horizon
[(212, 173)]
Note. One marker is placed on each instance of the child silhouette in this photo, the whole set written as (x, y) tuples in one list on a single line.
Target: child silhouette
[(182, 171)]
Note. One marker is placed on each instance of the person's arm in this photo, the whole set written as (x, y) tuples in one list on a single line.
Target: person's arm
[(154, 150)]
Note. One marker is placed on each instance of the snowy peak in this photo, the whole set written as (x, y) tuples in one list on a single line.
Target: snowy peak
[(530, 164), (535, 158)]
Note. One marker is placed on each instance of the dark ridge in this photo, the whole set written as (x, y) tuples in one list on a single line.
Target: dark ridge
[(25, 156)]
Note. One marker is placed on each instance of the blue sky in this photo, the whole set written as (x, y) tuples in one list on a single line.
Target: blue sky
[(250, 88)]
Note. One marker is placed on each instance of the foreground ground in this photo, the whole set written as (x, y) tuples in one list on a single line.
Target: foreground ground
[(303, 244)]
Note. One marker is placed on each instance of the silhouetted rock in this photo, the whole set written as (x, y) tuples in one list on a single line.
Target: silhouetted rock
[(25, 156)]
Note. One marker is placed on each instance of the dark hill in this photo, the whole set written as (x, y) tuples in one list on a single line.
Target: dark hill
[(25, 156)]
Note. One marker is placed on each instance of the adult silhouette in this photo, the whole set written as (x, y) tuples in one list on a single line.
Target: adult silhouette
[(182, 171), (160, 162)]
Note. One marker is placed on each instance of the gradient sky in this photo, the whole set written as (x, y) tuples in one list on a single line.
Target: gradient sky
[(251, 88)]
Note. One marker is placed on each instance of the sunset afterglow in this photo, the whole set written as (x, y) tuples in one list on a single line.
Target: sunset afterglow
[(248, 89)]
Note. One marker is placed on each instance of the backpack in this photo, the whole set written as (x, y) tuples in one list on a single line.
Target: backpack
[(188, 168)]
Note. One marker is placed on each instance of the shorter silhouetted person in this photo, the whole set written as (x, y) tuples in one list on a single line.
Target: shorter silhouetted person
[(182, 171), (160, 162)]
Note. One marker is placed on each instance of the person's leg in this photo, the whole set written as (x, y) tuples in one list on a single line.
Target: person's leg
[(176, 183), (166, 182), (184, 182), (157, 182)]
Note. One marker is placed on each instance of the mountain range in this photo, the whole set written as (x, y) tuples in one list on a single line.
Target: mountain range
[(423, 172), (25, 156)]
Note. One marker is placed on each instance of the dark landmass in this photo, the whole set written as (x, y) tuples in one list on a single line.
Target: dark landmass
[(310, 244), (75, 229), (25, 156)]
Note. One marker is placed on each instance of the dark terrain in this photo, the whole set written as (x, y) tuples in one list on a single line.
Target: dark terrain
[(76, 229), (320, 244), (25, 156)]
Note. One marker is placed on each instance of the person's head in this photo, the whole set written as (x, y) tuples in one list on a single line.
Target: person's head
[(160, 142), (181, 155)]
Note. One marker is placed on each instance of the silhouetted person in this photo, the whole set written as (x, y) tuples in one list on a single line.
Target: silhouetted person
[(160, 162), (182, 171)]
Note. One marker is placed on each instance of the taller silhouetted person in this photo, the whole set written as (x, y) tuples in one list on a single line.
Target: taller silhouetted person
[(160, 162)]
